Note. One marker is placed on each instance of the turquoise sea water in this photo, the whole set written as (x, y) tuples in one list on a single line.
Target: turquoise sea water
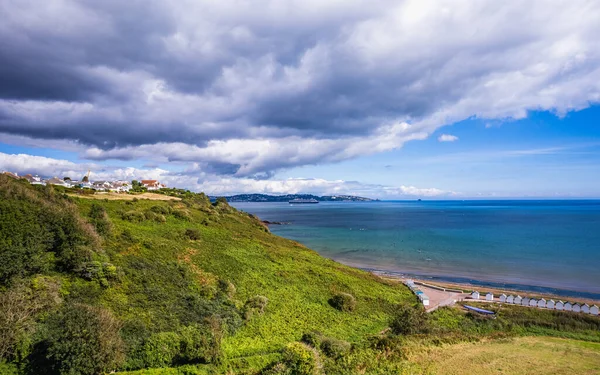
[(549, 246)]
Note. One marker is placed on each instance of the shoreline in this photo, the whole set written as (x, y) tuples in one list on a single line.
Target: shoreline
[(469, 285)]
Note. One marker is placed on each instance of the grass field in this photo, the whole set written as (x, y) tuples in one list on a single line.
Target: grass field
[(523, 355), (127, 197)]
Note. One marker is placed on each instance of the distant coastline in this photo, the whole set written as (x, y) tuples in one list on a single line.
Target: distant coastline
[(262, 198)]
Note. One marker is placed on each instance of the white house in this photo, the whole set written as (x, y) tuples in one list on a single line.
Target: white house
[(34, 180), (542, 303), (585, 308), (517, 300), (510, 299), (568, 306), (533, 302), (550, 304), (489, 296), (594, 310), (475, 295), (152, 185), (576, 308), (560, 305), (503, 297), (525, 301), (57, 181)]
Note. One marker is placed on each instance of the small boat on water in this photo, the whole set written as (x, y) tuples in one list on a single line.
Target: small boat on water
[(303, 201)]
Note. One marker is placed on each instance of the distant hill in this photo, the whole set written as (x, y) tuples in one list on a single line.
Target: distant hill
[(288, 197)]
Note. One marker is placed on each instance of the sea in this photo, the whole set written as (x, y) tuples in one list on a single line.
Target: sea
[(546, 246)]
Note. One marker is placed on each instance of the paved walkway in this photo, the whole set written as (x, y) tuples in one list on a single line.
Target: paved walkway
[(439, 298)]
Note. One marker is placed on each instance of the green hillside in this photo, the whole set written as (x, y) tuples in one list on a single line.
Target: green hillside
[(186, 286)]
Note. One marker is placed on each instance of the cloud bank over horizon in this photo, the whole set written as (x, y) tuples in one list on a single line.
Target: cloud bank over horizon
[(210, 184), (243, 91)]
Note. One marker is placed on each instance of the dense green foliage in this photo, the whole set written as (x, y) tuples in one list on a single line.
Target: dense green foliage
[(88, 286)]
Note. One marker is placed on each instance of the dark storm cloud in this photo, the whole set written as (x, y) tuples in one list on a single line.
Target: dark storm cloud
[(310, 82)]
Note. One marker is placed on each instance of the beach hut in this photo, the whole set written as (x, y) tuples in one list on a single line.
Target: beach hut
[(503, 297), (559, 305), (475, 295), (568, 306), (594, 310), (533, 302), (489, 296), (541, 303), (425, 300), (585, 308), (550, 304), (525, 301), (576, 308), (510, 299), (517, 300)]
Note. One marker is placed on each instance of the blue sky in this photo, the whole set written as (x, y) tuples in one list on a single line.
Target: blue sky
[(440, 99), (543, 155)]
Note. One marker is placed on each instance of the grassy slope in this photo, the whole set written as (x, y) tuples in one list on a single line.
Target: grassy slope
[(524, 355), (160, 269), (296, 280)]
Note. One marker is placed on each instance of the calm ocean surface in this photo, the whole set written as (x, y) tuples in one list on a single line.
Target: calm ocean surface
[(548, 246)]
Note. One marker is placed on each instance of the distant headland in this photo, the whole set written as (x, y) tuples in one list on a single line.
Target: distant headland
[(288, 197)]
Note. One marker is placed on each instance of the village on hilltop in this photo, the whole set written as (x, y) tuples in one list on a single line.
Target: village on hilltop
[(118, 186)]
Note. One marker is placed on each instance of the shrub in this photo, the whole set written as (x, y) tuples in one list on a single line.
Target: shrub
[(160, 349), (313, 338), (134, 216), (192, 233), (255, 305), (181, 214), (301, 359), (409, 320), (226, 288), (163, 210), (201, 343), (84, 340), (335, 348), (343, 302), (151, 215), (99, 219)]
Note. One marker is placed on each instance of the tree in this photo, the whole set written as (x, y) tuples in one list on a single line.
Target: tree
[(85, 179), (84, 340)]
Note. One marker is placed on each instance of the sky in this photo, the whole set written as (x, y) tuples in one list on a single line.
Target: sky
[(444, 99)]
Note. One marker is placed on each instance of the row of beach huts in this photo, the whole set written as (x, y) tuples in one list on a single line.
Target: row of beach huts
[(418, 292), (539, 303)]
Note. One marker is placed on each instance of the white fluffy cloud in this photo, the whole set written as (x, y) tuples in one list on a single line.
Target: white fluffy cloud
[(248, 89), (447, 138)]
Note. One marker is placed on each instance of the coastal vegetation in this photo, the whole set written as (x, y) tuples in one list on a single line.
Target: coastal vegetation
[(190, 286)]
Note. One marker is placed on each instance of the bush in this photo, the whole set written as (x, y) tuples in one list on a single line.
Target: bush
[(255, 305), (163, 210), (99, 219), (313, 338), (301, 359), (134, 216), (84, 340), (181, 214), (192, 233), (335, 348), (409, 320), (160, 349), (226, 288), (343, 302)]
